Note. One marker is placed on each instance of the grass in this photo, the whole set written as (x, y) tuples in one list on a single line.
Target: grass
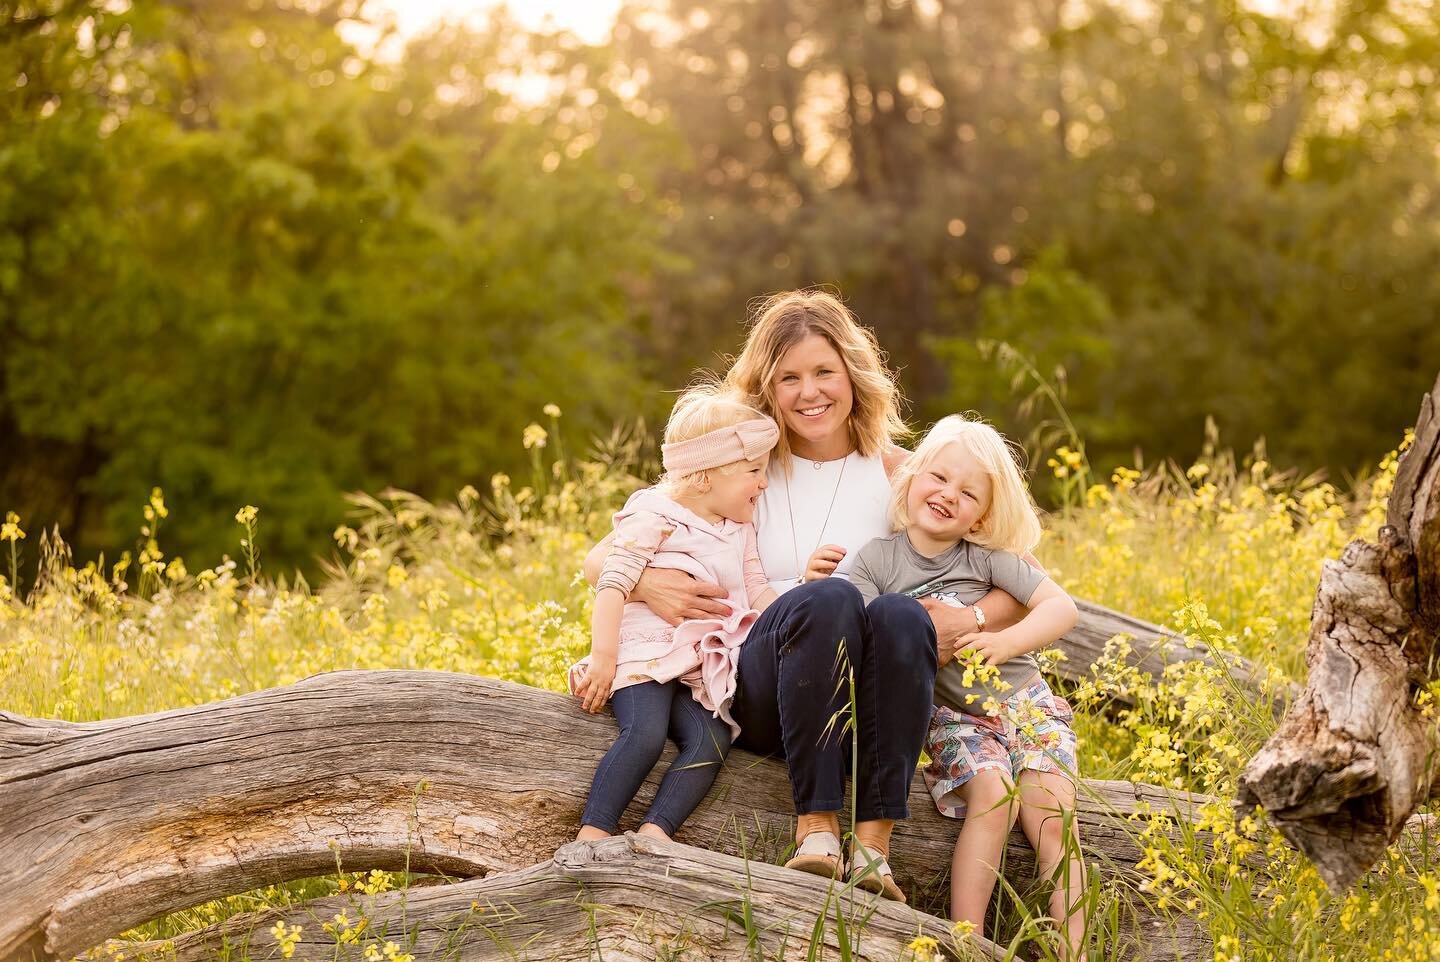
[(1226, 551)]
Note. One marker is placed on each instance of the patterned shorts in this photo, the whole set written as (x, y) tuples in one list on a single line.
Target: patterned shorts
[(1032, 733)]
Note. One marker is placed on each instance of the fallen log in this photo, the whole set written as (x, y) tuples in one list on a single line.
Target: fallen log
[(625, 898), (108, 824), (1353, 757), (1151, 649)]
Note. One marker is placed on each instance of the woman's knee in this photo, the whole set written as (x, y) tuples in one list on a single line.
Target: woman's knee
[(830, 610), (901, 613), (832, 600), (903, 628)]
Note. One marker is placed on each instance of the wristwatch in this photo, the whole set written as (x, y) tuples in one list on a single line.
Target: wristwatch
[(979, 616)]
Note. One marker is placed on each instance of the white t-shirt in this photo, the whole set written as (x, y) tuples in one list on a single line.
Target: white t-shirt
[(842, 502)]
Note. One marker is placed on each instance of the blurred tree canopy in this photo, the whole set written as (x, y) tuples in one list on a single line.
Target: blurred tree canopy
[(246, 260)]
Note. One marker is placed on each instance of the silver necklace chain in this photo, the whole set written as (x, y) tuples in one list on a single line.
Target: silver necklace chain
[(794, 538)]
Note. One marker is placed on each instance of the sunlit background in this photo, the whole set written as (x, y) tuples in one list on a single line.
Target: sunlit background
[(270, 251), (333, 332), (588, 19)]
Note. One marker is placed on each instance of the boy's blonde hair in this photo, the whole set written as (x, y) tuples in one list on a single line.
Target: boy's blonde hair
[(783, 320), (702, 408), (1012, 522)]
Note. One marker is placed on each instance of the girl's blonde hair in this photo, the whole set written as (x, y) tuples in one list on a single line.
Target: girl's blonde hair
[(1012, 522), (783, 320), (702, 408)]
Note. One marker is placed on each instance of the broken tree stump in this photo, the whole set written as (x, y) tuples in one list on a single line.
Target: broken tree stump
[(108, 824), (1353, 758)]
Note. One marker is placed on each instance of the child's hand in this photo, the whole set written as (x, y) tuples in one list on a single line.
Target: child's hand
[(594, 688), (823, 562), (994, 646)]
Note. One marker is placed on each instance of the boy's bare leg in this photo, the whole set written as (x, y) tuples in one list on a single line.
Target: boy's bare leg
[(990, 810), (1045, 800)]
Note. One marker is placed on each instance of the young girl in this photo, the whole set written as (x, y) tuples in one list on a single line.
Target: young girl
[(963, 517), (678, 681)]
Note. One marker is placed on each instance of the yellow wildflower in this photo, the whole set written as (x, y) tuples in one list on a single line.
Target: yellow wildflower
[(10, 531), (286, 937)]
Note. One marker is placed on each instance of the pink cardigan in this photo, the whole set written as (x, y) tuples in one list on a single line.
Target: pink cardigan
[(652, 530)]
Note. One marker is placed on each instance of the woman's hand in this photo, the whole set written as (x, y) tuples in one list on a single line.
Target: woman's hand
[(952, 625), (823, 562), (677, 597), (594, 689)]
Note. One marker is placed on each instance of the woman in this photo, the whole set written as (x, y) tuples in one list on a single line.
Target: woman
[(809, 364)]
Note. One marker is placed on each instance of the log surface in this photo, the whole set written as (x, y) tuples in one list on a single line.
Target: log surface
[(620, 899), (109, 824), (1151, 649)]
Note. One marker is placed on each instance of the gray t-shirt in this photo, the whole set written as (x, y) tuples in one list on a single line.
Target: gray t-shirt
[(964, 573)]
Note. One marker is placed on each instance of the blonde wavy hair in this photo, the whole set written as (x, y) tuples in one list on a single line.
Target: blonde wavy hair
[(783, 320), (1012, 522), (703, 407)]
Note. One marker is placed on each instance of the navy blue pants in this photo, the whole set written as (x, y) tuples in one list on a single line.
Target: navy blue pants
[(791, 685), (647, 713)]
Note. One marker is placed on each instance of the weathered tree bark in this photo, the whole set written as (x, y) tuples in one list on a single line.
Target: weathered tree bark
[(105, 825), (1351, 761), (649, 896)]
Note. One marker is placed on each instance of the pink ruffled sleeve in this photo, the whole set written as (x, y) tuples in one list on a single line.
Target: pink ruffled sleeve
[(755, 580), (637, 538)]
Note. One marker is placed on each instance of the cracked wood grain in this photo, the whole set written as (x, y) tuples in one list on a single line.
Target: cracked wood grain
[(108, 824), (628, 897)]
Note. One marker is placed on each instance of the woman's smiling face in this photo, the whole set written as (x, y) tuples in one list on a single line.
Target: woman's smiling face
[(814, 397)]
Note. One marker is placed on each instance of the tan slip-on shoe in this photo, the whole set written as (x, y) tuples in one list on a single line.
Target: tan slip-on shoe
[(818, 854), (871, 873)]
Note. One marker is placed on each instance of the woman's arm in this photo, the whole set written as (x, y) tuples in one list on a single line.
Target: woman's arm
[(1000, 607), (671, 594), (1052, 613)]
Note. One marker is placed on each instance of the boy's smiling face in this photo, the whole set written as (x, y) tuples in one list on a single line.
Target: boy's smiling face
[(948, 499)]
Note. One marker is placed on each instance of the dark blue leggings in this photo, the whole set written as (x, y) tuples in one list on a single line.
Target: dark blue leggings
[(647, 712), (790, 688)]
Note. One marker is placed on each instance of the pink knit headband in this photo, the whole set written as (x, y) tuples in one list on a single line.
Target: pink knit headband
[(739, 442)]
